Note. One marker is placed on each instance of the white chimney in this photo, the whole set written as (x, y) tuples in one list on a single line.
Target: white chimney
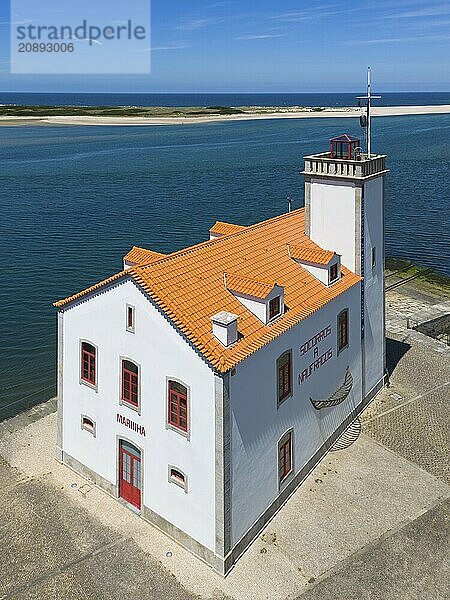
[(225, 327)]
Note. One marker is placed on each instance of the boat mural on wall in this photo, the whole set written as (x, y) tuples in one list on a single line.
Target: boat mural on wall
[(338, 396)]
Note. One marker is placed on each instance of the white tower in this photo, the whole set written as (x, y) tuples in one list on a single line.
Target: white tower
[(344, 212)]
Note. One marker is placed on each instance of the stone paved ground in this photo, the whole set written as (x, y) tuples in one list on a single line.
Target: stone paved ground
[(52, 548), (411, 417), (368, 523), (411, 562)]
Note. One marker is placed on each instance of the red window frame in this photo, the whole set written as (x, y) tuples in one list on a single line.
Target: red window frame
[(274, 307), (88, 360), (284, 376), (177, 405), (343, 330), (130, 317), (285, 457), (130, 383)]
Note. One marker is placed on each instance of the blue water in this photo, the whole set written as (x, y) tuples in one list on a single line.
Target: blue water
[(75, 199), (388, 99)]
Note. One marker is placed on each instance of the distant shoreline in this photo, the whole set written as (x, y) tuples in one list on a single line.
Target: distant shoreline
[(202, 115)]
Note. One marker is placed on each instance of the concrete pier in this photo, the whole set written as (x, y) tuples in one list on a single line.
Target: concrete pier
[(369, 522)]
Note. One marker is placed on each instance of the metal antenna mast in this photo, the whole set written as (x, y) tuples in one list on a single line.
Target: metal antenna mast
[(369, 97)]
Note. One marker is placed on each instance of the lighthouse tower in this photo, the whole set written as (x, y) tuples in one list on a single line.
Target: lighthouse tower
[(344, 212)]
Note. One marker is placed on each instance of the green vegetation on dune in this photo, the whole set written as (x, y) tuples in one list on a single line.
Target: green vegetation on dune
[(116, 111), (156, 111)]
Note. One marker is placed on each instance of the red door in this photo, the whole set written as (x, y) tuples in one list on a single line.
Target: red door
[(130, 474)]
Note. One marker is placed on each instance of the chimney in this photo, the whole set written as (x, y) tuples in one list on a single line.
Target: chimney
[(224, 326)]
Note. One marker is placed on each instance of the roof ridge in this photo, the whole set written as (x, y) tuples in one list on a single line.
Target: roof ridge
[(92, 288), (145, 249), (136, 270), (229, 223), (254, 279), (208, 243)]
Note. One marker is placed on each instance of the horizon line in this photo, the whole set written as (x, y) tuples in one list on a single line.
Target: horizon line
[(222, 93)]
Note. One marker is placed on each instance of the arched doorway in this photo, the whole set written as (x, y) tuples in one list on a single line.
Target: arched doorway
[(130, 473)]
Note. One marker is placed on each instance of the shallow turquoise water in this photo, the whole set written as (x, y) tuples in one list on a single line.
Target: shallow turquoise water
[(75, 199)]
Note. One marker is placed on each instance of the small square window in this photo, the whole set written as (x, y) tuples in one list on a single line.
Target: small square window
[(274, 307), (177, 477), (88, 424), (130, 318)]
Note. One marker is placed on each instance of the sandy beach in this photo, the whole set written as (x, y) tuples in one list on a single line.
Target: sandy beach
[(307, 113)]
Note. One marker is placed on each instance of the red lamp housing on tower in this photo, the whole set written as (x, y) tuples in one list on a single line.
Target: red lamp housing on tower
[(345, 146)]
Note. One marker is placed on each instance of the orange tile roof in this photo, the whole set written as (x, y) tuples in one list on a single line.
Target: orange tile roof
[(189, 286), (313, 254), (222, 228), (141, 256), (245, 285)]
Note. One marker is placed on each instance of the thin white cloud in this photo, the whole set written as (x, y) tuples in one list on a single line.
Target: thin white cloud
[(395, 40), (261, 36), (164, 48), (193, 24), (319, 12), (430, 11), (24, 22)]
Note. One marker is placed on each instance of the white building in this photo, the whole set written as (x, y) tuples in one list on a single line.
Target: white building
[(200, 387)]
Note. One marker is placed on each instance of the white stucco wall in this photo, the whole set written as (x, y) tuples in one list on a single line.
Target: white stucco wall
[(322, 272), (373, 279), (260, 307), (333, 218), (257, 423), (161, 353)]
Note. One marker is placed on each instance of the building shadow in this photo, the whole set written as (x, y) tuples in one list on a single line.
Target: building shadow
[(395, 351)]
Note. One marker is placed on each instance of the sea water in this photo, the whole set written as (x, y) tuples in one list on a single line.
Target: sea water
[(75, 199)]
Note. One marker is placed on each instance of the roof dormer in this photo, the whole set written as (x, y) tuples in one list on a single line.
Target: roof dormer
[(221, 229), (262, 298), (141, 257), (324, 265)]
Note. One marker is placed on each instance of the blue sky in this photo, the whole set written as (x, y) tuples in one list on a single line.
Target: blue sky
[(274, 46)]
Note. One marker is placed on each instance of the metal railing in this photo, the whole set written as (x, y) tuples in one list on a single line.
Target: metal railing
[(323, 164)]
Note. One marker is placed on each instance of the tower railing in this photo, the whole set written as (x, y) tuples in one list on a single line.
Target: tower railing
[(365, 166)]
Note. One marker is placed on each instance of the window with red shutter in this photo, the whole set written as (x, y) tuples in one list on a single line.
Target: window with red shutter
[(88, 359), (130, 318), (284, 373), (285, 456), (130, 383), (342, 326), (177, 409)]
